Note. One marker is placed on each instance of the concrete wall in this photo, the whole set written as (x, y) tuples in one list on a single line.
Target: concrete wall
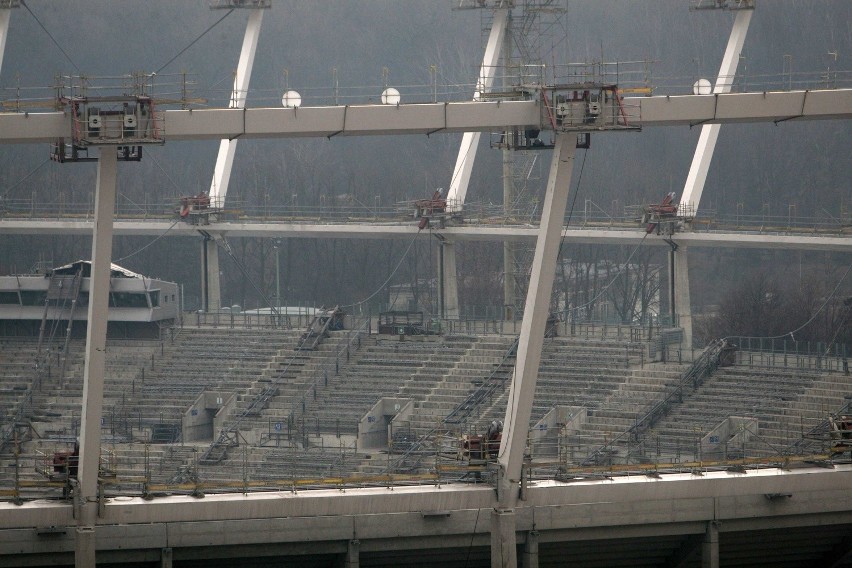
[(206, 416), (413, 520), (558, 421), (729, 436), (375, 428)]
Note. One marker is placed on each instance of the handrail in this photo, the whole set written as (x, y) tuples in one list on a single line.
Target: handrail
[(700, 369), (475, 399), (815, 432), (259, 402), (463, 410), (343, 346)]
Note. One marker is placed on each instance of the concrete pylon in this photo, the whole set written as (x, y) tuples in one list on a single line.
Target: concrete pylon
[(530, 342), (683, 307), (450, 285), (697, 176), (211, 294), (504, 548), (86, 491), (710, 546), (529, 559)]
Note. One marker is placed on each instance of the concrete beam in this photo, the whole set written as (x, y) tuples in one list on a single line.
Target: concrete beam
[(431, 118), (393, 519), (831, 243)]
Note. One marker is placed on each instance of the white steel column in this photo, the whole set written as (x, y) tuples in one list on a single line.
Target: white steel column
[(467, 154), (710, 132), (5, 17), (470, 140), (697, 177), (225, 159), (227, 148), (86, 492), (536, 311)]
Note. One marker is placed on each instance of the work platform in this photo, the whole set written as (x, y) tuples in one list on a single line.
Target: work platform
[(805, 513)]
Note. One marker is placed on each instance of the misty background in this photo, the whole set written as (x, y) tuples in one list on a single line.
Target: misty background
[(801, 169)]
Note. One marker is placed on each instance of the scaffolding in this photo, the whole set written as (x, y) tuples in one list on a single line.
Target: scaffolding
[(60, 303), (108, 111), (721, 5)]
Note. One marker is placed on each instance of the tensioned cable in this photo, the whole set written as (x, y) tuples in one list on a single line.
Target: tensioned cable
[(559, 254), (614, 278), (53, 39), (224, 244), (816, 313), (26, 177), (382, 287), (193, 42), (157, 238), (162, 169), (573, 203)]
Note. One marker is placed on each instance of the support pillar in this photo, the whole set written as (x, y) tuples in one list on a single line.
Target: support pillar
[(682, 305), (470, 140), (530, 555), (467, 154), (504, 549), (352, 560), (166, 558), (697, 177), (450, 297), (86, 491), (710, 546), (213, 292), (227, 148), (536, 312)]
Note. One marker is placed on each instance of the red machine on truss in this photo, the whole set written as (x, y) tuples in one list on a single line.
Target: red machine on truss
[(656, 214), (841, 433), (193, 203), (427, 209), (482, 447)]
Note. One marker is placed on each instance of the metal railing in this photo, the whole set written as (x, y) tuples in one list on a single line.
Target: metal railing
[(352, 211), (343, 349), (693, 377)]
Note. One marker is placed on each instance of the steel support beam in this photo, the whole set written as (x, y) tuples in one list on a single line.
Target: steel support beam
[(460, 181), (697, 177), (86, 491), (536, 311), (227, 147), (470, 141), (5, 18), (227, 150)]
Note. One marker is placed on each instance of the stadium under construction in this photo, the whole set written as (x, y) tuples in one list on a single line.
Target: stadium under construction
[(291, 437)]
